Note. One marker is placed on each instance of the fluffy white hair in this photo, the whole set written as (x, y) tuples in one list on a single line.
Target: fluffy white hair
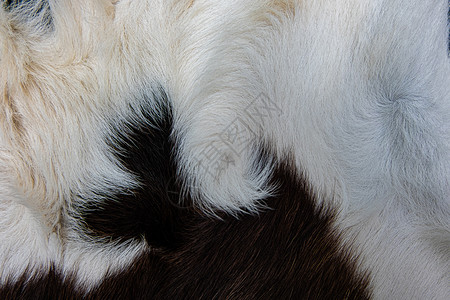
[(357, 92)]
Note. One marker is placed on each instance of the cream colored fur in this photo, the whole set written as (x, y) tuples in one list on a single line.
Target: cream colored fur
[(358, 92)]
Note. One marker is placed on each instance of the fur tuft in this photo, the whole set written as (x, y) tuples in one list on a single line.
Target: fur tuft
[(224, 149)]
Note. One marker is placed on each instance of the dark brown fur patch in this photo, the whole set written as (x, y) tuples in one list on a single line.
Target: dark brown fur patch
[(286, 252), (151, 211)]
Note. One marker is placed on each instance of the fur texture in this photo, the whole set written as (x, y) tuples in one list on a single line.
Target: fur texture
[(171, 143)]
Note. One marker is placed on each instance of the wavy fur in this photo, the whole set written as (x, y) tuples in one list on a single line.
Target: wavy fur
[(109, 108)]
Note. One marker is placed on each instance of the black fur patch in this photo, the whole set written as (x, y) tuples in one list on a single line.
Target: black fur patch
[(9, 4), (13, 4), (49, 285), (286, 252), (152, 211), (31, 10)]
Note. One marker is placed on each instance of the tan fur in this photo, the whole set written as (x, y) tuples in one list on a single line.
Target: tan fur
[(339, 70)]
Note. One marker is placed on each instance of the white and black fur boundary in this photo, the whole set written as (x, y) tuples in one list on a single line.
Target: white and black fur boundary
[(206, 149)]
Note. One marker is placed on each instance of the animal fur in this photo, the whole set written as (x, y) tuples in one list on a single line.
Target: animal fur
[(206, 149)]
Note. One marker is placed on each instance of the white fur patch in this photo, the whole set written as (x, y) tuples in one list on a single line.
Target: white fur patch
[(358, 92)]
